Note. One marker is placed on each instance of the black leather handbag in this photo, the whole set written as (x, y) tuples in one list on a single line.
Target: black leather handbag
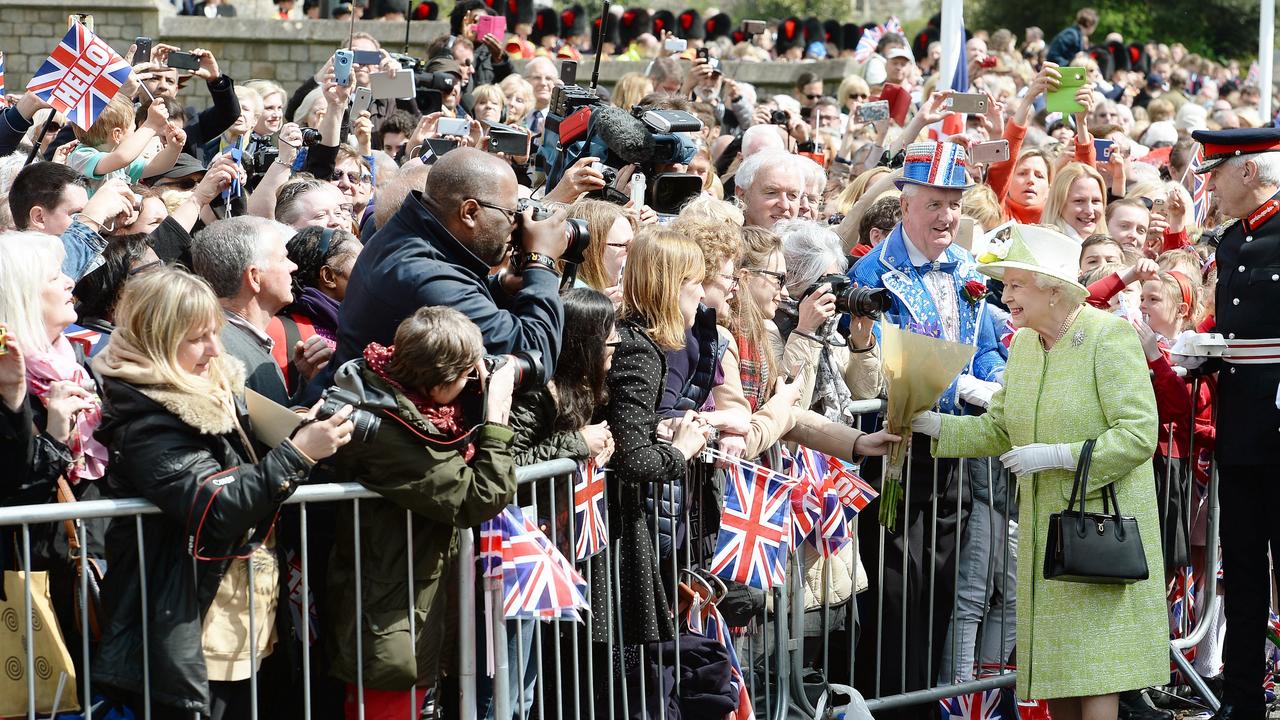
[(1089, 547)]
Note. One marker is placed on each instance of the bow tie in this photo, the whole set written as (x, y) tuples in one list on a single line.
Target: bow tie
[(937, 265)]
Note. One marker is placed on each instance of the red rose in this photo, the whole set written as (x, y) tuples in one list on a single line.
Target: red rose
[(974, 291)]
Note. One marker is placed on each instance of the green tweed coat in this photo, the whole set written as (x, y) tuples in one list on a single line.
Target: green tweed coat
[(1076, 639)]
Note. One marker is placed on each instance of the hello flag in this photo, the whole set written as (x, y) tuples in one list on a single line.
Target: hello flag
[(81, 76)]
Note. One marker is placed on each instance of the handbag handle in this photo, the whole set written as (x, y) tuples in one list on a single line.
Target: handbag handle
[(1082, 475), (1110, 503)]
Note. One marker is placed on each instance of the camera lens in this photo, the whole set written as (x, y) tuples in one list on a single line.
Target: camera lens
[(310, 136), (864, 302)]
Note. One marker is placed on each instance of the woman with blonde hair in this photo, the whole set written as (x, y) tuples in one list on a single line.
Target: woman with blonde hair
[(273, 100), (519, 98), (611, 231), (661, 289), (1077, 202), (174, 416), (1022, 183), (489, 103), (709, 209), (630, 88)]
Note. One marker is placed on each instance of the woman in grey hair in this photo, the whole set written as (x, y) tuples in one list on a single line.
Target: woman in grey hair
[(848, 366)]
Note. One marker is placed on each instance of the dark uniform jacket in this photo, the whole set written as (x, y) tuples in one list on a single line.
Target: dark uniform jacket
[(1248, 306)]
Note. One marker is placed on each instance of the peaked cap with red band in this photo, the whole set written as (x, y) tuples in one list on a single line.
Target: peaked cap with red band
[(1222, 145)]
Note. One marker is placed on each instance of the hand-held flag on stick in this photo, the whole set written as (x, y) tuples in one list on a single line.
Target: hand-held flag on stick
[(755, 528), (590, 520), (81, 76)]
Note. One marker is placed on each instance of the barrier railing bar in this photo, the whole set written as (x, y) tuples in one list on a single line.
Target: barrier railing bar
[(315, 492), (466, 631), (304, 559), (934, 694)]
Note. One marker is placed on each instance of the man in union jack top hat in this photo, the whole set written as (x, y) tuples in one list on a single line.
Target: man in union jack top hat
[(936, 290)]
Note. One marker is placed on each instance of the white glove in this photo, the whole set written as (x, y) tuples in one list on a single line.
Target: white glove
[(1038, 457), (929, 423), (975, 391)]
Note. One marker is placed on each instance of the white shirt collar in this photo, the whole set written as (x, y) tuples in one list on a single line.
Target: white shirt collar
[(914, 255)]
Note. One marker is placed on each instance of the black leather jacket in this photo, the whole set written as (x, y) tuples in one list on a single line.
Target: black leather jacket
[(210, 498)]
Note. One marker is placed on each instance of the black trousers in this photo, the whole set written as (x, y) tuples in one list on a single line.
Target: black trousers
[(1246, 494), (928, 565)]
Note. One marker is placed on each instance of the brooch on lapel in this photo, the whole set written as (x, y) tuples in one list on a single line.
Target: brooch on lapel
[(1078, 339)]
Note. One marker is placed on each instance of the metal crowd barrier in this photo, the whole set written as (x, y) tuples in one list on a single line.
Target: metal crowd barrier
[(556, 670)]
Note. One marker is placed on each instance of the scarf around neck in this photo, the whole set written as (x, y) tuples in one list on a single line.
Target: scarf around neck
[(59, 364), (211, 413), (445, 418), (321, 309)]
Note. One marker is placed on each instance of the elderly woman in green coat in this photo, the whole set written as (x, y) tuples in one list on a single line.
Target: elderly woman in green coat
[(1074, 374)]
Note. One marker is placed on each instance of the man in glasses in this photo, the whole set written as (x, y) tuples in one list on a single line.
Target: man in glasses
[(442, 247), (808, 89)]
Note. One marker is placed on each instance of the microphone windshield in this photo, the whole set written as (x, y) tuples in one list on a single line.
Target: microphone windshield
[(626, 136)]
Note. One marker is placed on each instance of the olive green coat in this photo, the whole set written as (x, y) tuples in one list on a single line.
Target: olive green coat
[(442, 494), (1076, 639)]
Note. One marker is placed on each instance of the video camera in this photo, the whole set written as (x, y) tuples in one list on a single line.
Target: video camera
[(580, 124), (429, 88)]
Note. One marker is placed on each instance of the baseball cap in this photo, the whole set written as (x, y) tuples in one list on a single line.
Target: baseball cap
[(899, 52)]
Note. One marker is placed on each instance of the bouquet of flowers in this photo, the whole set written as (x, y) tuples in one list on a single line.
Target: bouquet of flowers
[(918, 369)]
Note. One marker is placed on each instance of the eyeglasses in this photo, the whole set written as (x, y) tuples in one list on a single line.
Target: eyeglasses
[(618, 245), (859, 96), (814, 97), (511, 214), (613, 342), (732, 280), (353, 177), (779, 278)]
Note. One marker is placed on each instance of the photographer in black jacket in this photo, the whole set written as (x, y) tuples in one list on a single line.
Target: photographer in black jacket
[(439, 249)]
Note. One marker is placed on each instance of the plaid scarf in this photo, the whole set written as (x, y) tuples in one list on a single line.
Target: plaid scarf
[(754, 372)]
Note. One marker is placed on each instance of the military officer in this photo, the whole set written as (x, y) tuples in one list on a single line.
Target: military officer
[(1244, 175)]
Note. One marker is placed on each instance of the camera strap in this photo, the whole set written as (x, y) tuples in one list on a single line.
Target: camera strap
[(455, 444)]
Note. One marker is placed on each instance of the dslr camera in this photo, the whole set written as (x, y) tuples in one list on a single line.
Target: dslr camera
[(575, 231), (851, 299), (348, 389), (530, 372)]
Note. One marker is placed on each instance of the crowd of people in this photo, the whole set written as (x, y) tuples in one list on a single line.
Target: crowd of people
[(166, 271)]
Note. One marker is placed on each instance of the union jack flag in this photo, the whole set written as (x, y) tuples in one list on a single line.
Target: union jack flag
[(491, 548), (974, 706), (808, 470), (1182, 608), (588, 510), (1199, 190), (1, 74), (867, 43), (871, 37), (713, 627), (538, 582), (854, 492), (81, 76), (755, 528)]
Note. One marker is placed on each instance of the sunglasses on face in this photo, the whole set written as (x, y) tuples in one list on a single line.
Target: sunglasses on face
[(353, 177)]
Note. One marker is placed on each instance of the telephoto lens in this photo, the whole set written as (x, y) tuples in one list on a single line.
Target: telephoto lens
[(530, 372)]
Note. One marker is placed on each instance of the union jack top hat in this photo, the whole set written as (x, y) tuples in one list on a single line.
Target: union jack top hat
[(935, 164)]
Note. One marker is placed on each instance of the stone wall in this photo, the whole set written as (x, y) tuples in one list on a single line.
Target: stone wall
[(287, 51)]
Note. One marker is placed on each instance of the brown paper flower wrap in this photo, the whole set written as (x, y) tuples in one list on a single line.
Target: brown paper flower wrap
[(917, 370)]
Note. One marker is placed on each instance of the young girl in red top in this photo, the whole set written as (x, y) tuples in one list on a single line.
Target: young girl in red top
[(1169, 306)]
